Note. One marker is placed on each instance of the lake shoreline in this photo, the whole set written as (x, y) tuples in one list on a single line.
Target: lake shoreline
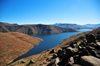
[(45, 53), (35, 50)]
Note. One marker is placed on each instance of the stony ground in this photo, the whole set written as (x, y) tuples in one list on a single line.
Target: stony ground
[(79, 50)]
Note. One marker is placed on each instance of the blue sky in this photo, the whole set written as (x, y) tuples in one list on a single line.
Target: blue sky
[(50, 11)]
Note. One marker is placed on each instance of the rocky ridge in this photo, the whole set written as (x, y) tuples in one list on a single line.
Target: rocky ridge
[(86, 53), (14, 44)]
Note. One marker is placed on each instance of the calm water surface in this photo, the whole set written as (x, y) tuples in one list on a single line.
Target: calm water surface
[(50, 41)]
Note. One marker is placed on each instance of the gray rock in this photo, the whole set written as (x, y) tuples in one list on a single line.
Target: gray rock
[(57, 61), (45, 62), (60, 53), (31, 61), (80, 48), (63, 47), (71, 61), (90, 61), (42, 65), (94, 53), (71, 51), (92, 45), (52, 51), (84, 52), (23, 61), (76, 59), (77, 65), (98, 45), (98, 37), (52, 63), (74, 45), (84, 40), (49, 58), (54, 56), (90, 38), (89, 48)]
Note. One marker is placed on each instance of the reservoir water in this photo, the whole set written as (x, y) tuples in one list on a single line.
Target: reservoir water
[(49, 41)]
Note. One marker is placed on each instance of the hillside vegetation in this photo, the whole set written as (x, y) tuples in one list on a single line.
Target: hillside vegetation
[(14, 44)]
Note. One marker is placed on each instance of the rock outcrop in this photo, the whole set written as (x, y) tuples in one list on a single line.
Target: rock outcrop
[(33, 29), (87, 53), (90, 61), (14, 44)]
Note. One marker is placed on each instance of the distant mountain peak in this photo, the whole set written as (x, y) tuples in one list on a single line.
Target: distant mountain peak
[(76, 26)]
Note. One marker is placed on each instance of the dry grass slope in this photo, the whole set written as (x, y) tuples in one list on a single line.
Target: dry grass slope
[(14, 44)]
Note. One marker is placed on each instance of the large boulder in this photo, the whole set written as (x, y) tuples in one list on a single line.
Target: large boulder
[(76, 59), (70, 61), (98, 36), (90, 38), (74, 45), (93, 45), (98, 45), (79, 48), (54, 56), (57, 61), (90, 61), (84, 52), (71, 51), (94, 53), (60, 53), (49, 58), (89, 48), (54, 62), (52, 51), (77, 65)]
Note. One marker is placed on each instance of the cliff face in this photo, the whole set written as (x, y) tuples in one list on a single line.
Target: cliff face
[(33, 29), (14, 44)]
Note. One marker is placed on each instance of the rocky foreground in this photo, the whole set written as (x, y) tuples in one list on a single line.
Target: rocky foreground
[(85, 53), (14, 44), (79, 50)]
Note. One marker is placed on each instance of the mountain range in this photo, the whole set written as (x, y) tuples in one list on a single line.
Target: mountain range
[(92, 25), (33, 29), (75, 26)]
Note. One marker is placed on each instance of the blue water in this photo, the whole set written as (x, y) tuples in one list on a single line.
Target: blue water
[(49, 41)]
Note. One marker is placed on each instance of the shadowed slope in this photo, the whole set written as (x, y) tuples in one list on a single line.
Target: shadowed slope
[(33, 29)]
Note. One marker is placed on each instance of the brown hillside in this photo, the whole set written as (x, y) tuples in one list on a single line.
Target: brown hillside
[(14, 44), (33, 29)]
